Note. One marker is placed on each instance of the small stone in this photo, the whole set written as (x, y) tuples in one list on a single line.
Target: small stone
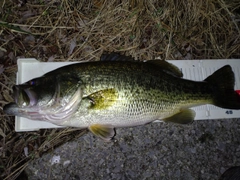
[(55, 160), (67, 162)]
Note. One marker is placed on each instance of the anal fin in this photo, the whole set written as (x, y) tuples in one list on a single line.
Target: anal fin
[(185, 116)]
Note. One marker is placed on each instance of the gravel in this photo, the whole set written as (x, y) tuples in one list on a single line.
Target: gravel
[(202, 150)]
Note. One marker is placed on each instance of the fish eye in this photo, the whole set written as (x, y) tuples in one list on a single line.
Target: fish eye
[(32, 82)]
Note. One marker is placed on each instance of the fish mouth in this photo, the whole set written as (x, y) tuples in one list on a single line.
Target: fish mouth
[(11, 108), (25, 105), (24, 96)]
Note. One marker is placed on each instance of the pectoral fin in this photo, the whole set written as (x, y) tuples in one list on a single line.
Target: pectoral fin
[(185, 116), (104, 131), (103, 99)]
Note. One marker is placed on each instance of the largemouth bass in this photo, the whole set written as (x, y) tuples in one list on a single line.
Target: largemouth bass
[(119, 92)]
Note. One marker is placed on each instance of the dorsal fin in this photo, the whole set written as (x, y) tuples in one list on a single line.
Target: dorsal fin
[(167, 67), (113, 56), (164, 65)]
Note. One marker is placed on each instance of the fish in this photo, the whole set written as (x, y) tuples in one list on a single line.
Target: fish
[(118, 91)]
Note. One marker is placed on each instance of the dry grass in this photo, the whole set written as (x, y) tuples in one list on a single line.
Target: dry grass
[(71, 30)]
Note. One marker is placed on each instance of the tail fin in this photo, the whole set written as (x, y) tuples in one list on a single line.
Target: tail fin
[(223, 84)]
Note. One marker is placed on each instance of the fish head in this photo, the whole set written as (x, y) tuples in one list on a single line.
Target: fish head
[(36, 92), (49, 98)]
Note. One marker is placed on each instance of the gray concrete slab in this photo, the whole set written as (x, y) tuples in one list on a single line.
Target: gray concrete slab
[(202, 150)]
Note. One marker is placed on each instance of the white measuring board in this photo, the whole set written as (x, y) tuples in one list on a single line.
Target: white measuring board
[(196, 70)]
